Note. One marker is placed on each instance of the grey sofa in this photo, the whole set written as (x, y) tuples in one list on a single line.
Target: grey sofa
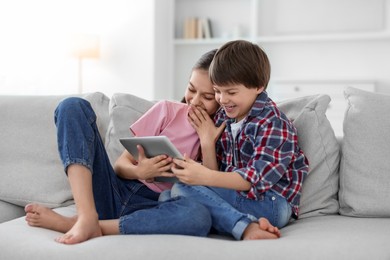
[(345, 206)]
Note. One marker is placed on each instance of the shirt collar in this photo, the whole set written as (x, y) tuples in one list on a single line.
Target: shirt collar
[(259, 104)]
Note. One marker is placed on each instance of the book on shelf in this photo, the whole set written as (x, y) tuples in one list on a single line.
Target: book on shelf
[(206, 25), (197, 28)]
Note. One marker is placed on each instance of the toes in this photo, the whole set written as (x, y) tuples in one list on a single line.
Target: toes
[(264, 223), (31, 208), (63, 239), (28, 208)]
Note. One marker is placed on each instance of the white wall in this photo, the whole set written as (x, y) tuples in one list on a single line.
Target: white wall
[(136, 58), (34, 49)]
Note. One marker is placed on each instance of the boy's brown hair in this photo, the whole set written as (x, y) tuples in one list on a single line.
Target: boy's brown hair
[(240, 62)]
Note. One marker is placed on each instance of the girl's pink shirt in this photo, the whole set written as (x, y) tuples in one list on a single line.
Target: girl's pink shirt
[(168, 118)]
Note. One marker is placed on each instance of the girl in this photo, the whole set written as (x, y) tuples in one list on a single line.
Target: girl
[(122, 199)]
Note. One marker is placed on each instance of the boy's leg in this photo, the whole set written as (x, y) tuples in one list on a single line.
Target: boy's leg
[(226, 218), (269, 205)]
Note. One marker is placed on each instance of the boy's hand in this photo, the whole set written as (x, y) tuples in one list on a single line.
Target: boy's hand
[(204, 125), (148, 168), (190, 172)]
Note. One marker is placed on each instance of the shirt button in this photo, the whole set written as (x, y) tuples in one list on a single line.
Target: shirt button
[(273, 198)]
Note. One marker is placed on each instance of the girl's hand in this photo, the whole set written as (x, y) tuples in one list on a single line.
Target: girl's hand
[(148, 168), (204, 125), (190, 172)]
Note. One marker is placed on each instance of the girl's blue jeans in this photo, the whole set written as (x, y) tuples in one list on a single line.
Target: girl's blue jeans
[(231, 213), (136, 206)]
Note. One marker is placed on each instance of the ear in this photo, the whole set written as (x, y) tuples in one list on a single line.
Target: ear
[(259, 89)]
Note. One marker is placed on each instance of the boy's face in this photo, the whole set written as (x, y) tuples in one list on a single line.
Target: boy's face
[(236, 100)]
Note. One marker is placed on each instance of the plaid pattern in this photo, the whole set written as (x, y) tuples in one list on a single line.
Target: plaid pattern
[(265, 153)]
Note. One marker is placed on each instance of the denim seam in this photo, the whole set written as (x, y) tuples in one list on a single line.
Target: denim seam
[(240, 227), (79, 162)]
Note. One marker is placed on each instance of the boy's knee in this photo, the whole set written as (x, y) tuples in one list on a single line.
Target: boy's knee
[(164, 195), (180, 189)]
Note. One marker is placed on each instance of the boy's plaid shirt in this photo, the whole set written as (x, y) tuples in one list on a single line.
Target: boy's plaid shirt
[(266, 152)]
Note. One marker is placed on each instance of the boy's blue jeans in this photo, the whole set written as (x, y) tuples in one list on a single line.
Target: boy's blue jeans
[(135, 205), (231, 213)]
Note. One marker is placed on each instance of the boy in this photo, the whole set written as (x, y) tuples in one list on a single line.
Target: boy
[(253, 173)]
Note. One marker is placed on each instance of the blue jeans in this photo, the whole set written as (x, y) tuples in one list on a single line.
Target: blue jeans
[(134, 204), (231, 213)]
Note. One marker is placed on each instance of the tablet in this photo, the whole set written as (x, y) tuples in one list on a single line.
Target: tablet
[(153, 146)]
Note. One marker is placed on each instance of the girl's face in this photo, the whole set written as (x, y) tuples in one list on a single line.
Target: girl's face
[(200, 92)]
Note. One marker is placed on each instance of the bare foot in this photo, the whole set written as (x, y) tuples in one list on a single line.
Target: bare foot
[(266, 226), (76, 229), (86, 227), (40, 216), (261, 230)]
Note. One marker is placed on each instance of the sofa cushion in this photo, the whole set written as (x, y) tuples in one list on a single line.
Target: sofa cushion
[(365, 165), (9, 211), (124, 110), (30, 168), (317, 140)]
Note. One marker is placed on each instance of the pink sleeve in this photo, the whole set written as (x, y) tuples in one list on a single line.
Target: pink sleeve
[(152, 122)]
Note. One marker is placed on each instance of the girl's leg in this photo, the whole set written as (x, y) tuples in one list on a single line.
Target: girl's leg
[(95, 188), (80, 144), (41, 216), (109, 227), (87, 225), (174, 216), (177, 216)]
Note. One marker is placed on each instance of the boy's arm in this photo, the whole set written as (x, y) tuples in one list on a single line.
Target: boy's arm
[(193, 173), (228, 180), (274, 151)]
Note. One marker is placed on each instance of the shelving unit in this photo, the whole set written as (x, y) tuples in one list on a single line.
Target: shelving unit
[(368, 36), (320, 44), (274, 23), (274, 20)]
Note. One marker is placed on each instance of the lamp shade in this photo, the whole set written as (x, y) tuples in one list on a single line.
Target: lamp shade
[(85, 45)]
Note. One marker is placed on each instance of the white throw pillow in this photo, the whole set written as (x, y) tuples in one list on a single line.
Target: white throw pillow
[(318, 142), (365, 164), (124, 110)]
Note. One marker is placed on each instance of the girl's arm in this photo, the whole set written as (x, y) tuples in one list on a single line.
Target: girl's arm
[(145, 169), (208, 134)]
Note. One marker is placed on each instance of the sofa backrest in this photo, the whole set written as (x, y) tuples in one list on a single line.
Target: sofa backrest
[(30, 168)]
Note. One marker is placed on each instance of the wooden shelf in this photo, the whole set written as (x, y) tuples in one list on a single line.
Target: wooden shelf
[(369, 36)]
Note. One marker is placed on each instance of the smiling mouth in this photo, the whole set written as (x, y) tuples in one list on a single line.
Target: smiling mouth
[(229, 108)]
